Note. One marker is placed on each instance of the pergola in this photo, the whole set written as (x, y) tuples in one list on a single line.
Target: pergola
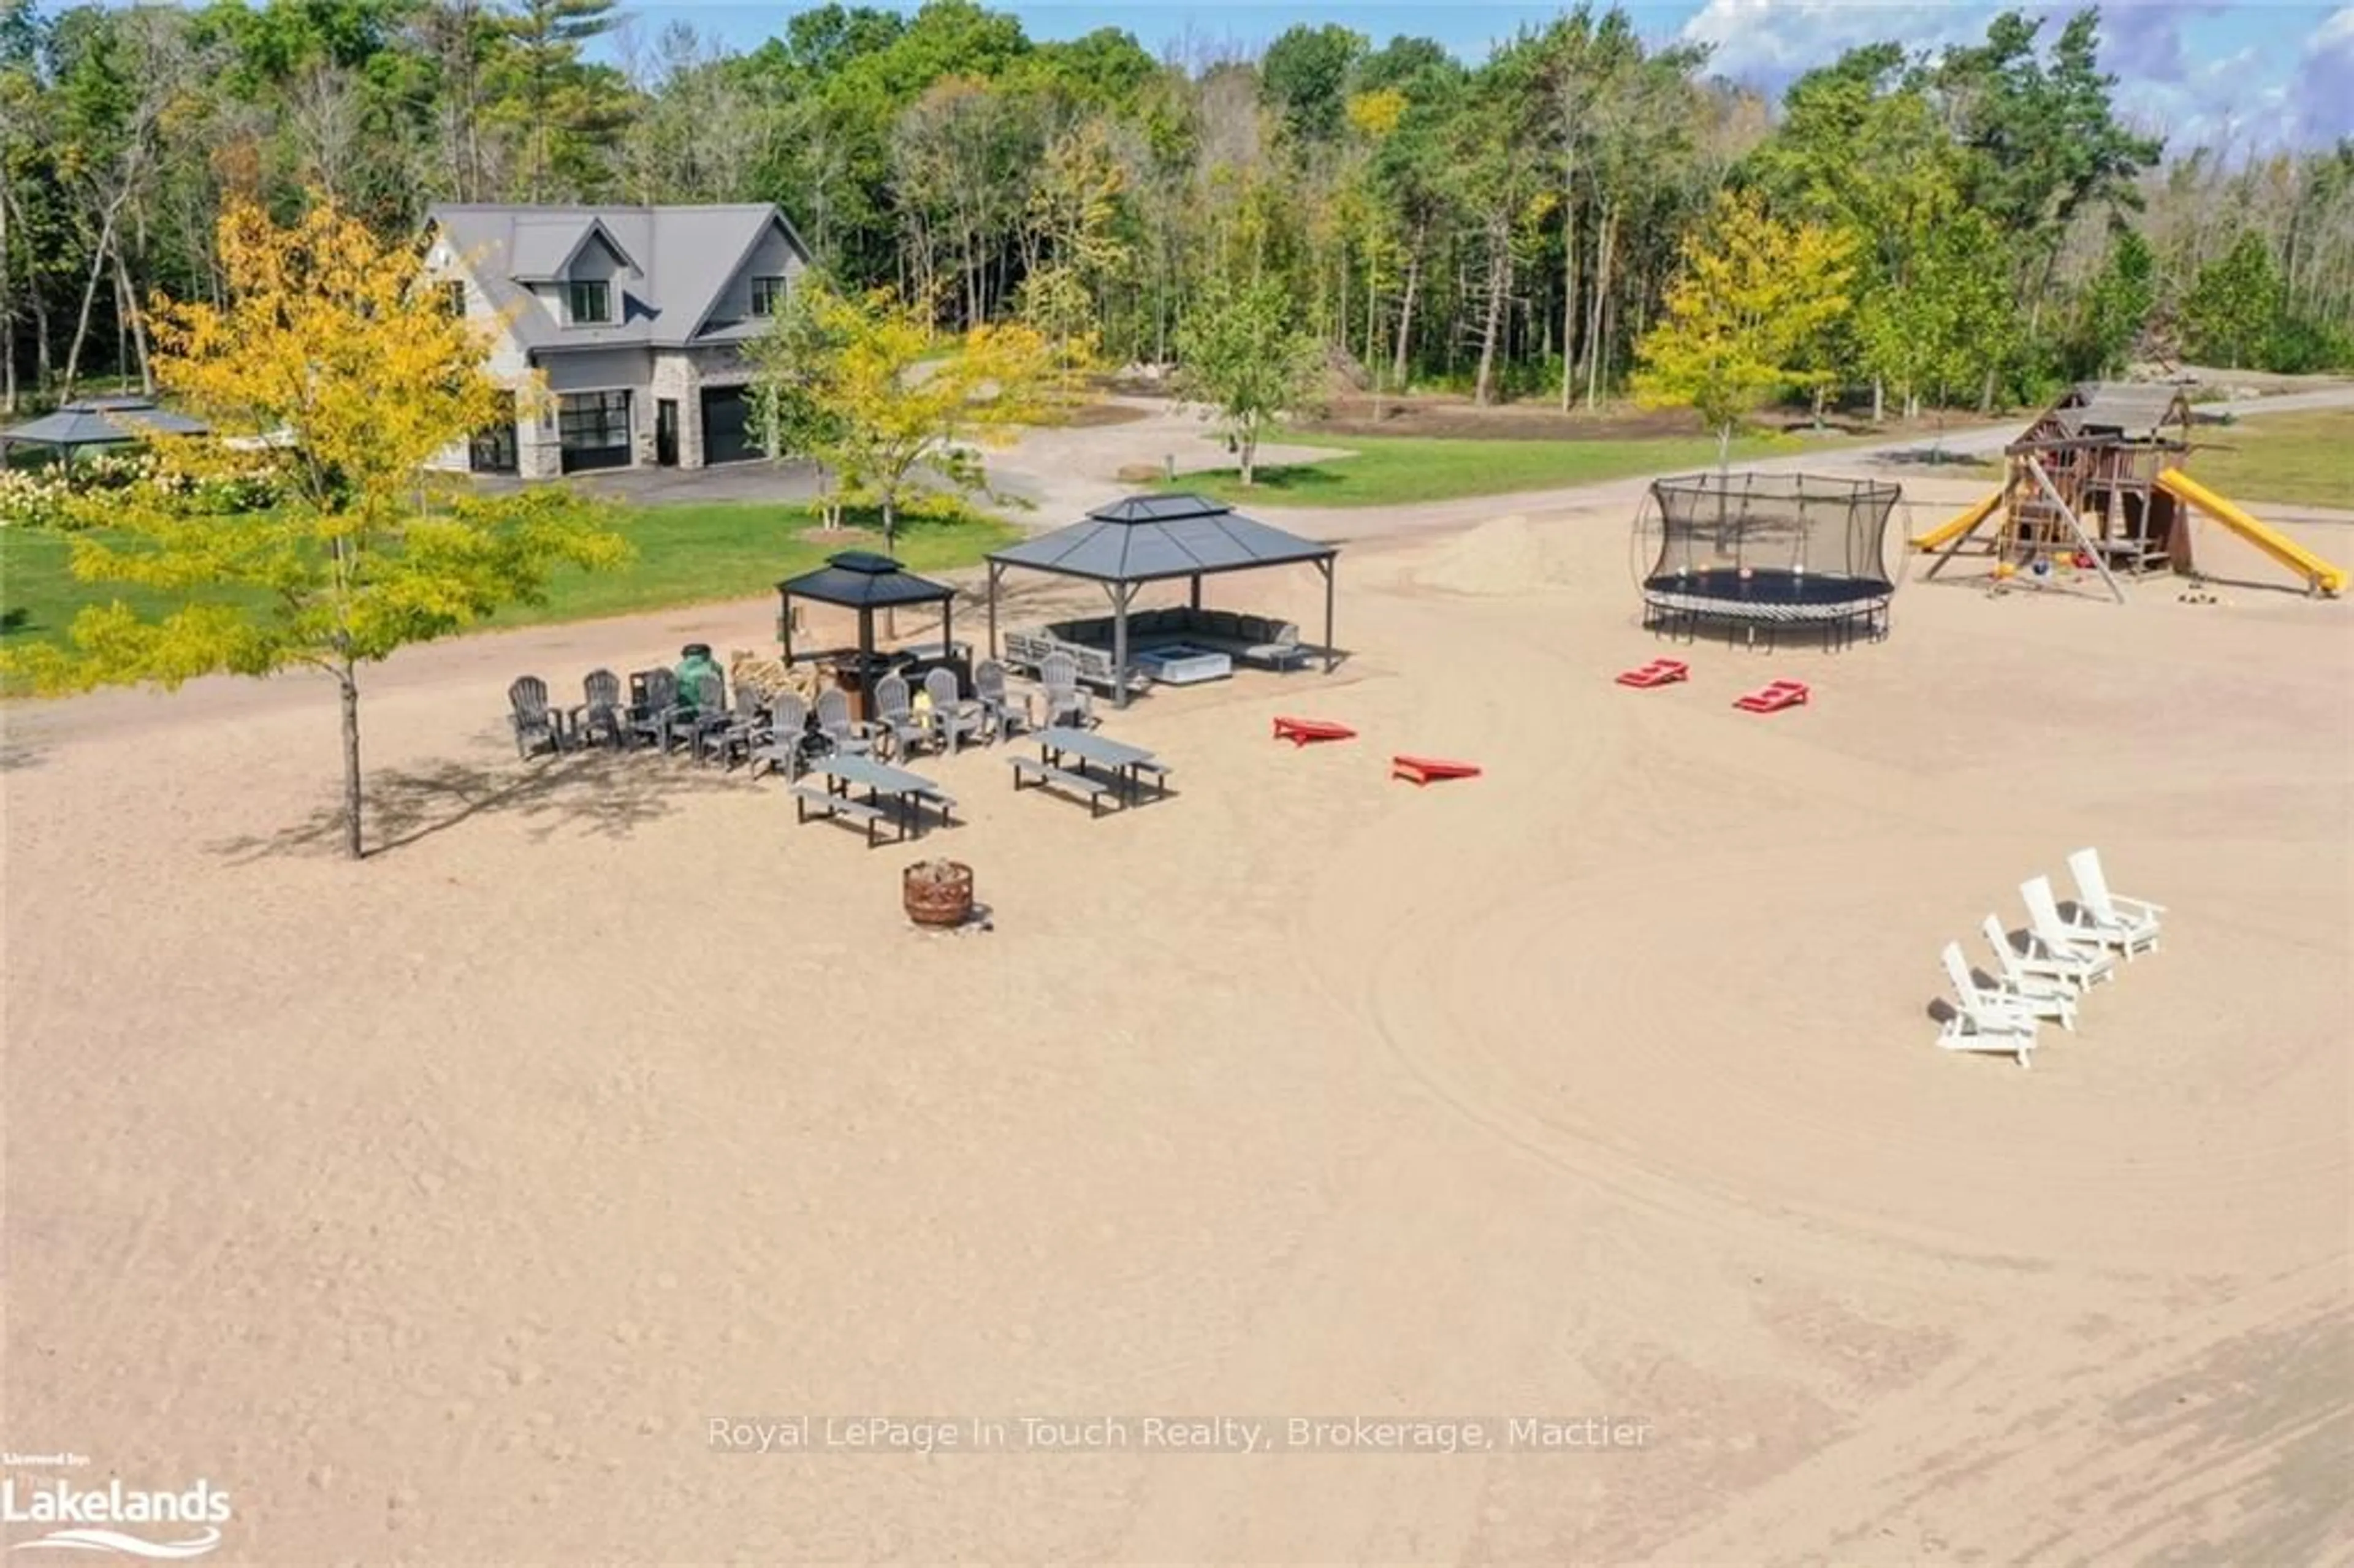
[(1159, 539), (865, 582), (97, 422)]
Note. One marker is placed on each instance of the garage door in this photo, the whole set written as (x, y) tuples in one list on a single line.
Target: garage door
[(726, 437)]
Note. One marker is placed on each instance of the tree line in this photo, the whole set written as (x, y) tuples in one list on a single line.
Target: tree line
[(1511, 228)]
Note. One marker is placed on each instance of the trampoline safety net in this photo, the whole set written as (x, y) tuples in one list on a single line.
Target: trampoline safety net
[(1772, 547)]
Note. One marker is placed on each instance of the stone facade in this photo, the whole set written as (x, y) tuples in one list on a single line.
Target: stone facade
[(677, 376)]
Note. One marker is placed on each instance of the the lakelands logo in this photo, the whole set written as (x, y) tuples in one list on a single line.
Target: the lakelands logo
[(186, 1524)]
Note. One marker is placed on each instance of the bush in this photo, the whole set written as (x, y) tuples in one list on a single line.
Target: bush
[(47, 497)]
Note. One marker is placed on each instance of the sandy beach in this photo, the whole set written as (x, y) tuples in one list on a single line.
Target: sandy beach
[(472, 1204)]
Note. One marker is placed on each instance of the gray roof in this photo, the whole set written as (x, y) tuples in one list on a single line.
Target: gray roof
[(684, 258), (1147, 538), (98, 422), (860, 580), (2128, 408)]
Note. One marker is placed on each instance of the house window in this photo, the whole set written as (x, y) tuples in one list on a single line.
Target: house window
[(593, 429), (768, 294), (591, 302), (453, 298)]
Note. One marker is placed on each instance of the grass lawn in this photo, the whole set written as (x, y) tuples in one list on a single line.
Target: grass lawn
[(1397, 469), (2298, 458), (686, 555)]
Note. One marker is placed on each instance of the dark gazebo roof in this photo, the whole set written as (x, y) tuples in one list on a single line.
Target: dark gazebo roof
[(1149, 538), (860, 579), (101, 421)]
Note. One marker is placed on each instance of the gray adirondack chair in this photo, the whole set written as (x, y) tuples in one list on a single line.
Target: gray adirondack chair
[(891, 721), (1066, 702), (835, 723), (952, 716), (1000, 714), (597, 720), (788, 723), (653, 707), (703, 705), (736, 732), (535, 729)]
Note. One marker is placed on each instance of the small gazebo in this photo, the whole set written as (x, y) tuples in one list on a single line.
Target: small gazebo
[(98, 422), (1160, 538), (865, 582)]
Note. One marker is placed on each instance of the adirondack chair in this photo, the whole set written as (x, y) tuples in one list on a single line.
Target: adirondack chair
[(2078, 960), (702, 708), (599, 720), (786, 749), (1065, 702), (735, 733), (891, 719), (835, 723), (654, 708), (2127, 924), (951, 716), (2033, 983), (535, 729), (1980, 1022), (999, 714)]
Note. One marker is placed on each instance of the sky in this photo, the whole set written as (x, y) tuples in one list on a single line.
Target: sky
[(2245, 75)]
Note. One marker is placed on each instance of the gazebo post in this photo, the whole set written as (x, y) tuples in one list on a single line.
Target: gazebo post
[(1197, 591), (994, 569), (1120, 594), (1326, 565), (785, 624)]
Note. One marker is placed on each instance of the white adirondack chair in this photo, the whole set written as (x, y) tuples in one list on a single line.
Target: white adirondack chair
[(2081, 961), (1981, 1021), (2131, 924), (2038, 986)]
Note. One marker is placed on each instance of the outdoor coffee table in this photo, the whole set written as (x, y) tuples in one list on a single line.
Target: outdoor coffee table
[(1182, 665)]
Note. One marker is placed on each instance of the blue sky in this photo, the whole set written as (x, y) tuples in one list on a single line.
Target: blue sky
[(2260, 74)]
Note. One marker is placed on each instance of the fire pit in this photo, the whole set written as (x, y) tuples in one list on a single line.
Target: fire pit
[(937, 892)]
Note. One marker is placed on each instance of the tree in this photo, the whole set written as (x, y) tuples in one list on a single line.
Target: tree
[(1241, 352), (2116, 304), (338, 340), (864, 389), (1753, 294), (1952, 320), (2233, 308)]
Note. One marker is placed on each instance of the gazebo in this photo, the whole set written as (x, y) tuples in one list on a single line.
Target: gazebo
[(1159, 539), (97, 422), (865, 582)]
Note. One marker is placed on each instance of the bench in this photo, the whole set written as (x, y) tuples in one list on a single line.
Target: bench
[(833, 805), (1046, 773)]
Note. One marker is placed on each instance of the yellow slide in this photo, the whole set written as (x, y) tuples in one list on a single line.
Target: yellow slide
[(2316, 571), (1946, 533)]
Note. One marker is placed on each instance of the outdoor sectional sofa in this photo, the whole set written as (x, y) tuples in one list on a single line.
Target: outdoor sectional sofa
[(1256, 639)]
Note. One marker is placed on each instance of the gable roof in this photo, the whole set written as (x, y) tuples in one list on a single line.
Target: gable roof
[(685, 257), (1145, 538), (2138, 411)]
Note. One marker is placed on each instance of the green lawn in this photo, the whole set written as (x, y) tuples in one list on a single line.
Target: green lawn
[(2298, 458), (686, 555), (1384, 470)]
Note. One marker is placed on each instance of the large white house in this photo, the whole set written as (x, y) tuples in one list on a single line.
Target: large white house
[(635, 316)]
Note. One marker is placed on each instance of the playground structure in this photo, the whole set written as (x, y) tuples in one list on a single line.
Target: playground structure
[(1753, 551), (2096, 485)]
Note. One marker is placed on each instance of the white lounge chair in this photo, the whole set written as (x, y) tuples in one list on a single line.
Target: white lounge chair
[(2039, 987), (2068, 951), (1980, 1022), (2131, 924)]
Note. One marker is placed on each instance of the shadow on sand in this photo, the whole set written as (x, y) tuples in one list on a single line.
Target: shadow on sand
[(601, 792)]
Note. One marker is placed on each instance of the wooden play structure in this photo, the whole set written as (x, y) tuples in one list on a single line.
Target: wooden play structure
[(2096, 485)]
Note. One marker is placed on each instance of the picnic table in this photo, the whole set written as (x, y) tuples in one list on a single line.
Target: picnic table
[(1062, 746), (842, 772)]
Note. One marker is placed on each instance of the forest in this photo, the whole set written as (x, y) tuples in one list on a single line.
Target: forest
[(1508, 229)]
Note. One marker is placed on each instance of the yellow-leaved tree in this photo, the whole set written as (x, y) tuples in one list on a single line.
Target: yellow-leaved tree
[(335, 346), (1752, 297)]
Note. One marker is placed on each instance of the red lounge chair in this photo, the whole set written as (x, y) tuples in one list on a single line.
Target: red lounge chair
[(1301, 731), (1773, 697), (1657, 672), (1422, 769)]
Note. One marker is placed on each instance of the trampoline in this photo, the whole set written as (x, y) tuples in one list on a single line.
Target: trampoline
[(1766, 553)]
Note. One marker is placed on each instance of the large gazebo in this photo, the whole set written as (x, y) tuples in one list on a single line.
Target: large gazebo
[(1159, 539), (865, 582), (98, 422)]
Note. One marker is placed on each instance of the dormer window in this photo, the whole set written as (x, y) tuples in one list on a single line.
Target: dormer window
[(768, 296), (453, 298), (589, 303)]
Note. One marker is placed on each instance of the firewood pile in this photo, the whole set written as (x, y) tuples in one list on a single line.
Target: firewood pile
[(767, 677)]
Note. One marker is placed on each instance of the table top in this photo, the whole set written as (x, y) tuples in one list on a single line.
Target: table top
[(1094, 747), (867, 773)]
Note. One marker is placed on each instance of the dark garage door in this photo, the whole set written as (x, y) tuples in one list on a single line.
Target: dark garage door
[(726, 435), (593, 429)]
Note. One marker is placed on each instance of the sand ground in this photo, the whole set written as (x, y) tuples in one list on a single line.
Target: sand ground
[(434, 1207)]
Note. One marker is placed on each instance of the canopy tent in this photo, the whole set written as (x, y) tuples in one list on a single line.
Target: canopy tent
[(98, 422), (865, 582), (1159, 538)]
